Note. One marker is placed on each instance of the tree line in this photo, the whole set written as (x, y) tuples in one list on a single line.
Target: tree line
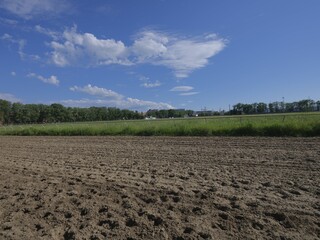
[(169, 113), (306, 105), (18, 113)]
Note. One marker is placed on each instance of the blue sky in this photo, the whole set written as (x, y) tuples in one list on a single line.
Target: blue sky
[(159, 53)]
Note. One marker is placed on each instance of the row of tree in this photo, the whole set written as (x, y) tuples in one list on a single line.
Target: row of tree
[(18, 113), (306, 105), (170, 113)]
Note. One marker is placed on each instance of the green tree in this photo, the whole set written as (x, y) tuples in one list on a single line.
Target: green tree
[(318, 105), (33, 112), (44, 114), (58, 112), (17, 113), (261, 107), (305, 105), (238, 108), (248, 108), (5, 111)]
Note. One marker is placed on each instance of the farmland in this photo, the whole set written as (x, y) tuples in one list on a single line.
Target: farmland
[(181, 178), (294, 124), (129, 187)]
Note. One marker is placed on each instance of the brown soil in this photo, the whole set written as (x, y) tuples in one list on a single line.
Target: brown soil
[(159, 188)]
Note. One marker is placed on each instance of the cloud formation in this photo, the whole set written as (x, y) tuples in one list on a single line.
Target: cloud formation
[(54, 35), (50, 80), (87, 49), (28, 9), (151, 84), (21, 43), (181, 55), (128, 103), (96, 91), (7, 21), (184, 90), (110, 98), (181, 89), (188, 93)]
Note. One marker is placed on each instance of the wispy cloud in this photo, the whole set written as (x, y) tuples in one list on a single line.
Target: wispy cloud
[(181, 89), (188, 93), (28, 9), (13, 74), (7, 36), (127, 103), (9, 97), (53, 34), (97, 91), (8, 21), (184, 90), (110, 98), (143, 104), (143, 78), (21, 43), (180, 54), (50, 80), (151, 84)]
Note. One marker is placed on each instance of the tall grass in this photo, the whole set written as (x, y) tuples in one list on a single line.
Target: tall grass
[(307, 125)]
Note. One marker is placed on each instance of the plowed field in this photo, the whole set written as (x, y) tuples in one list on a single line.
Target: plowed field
[(159, 188)]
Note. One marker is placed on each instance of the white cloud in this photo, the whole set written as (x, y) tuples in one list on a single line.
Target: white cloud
[(13, 73), (96, 91), (54, 35), (137, 103), (126, 103), (50, 80), (143, 78), (6, 36), (185, 90), (182, 55), (179, 54), (112, 99), (181, 89), (28, 9), (151, 84), (149, 45), (87, 49), (9, 97), (188, 93)]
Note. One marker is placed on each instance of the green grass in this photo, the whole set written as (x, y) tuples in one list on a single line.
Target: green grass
[(301, 124)]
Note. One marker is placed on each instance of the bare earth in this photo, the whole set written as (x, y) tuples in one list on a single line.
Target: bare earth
[(159, 188)]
